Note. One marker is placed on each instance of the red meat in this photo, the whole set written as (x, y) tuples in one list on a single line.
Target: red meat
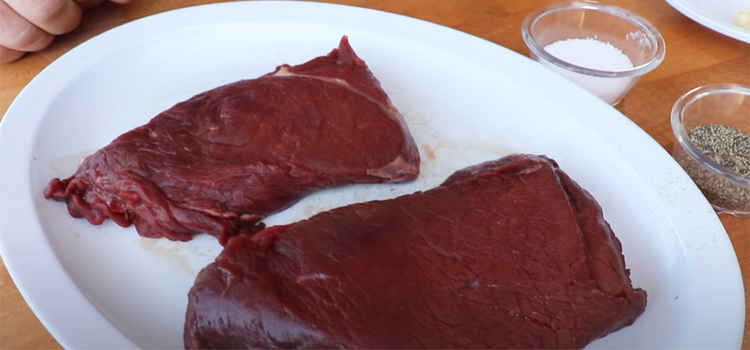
[(225, 159), (507, 254)]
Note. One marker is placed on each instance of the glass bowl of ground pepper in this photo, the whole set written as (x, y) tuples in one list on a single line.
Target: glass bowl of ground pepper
[(712, 127)]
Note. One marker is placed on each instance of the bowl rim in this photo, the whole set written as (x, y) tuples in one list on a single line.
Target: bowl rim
[(681, 134), (653, 33)]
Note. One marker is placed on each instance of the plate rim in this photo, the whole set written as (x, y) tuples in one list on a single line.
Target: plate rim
[(725, 28), (29, 282)]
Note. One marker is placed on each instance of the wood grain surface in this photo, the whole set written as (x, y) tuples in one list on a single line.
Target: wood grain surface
[(695, 56)]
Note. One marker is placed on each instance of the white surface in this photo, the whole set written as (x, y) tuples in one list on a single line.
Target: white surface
[(717, 15), (465, 100)]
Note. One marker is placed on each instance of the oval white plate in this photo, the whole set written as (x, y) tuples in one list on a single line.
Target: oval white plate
[(717, 15), (465, 99)]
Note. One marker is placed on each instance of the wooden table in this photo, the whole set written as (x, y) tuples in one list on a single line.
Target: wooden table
[(695, 56)]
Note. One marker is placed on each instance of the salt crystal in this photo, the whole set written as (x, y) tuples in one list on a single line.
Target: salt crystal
[(593, 54)]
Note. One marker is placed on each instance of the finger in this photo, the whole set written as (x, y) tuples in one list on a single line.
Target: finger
[(53, 16), (121, 1), (19, 34), (9, 55)]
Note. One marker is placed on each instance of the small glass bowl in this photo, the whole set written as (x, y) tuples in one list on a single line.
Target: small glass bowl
[(630, 33), (727, 190)]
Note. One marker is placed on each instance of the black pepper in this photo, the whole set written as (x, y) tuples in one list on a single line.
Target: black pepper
[(730, 148), (725, 145)]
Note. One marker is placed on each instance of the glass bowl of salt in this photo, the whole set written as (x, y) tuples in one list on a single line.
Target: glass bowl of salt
[(603, 48), (712, 126)]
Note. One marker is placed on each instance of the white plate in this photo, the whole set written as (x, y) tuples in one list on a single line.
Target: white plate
[(465, 99), (716, 15)]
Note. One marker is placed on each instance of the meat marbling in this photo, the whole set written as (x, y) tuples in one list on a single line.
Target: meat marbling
[(507, 254), (226, 158)]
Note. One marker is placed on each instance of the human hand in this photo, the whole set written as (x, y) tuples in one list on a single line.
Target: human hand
[(31, 25)]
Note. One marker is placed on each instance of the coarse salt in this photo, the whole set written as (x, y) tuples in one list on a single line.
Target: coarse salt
[(593, 54), (590, 53)]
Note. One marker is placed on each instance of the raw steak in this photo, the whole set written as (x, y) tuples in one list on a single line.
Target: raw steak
[(225, 159), (507, 254)]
